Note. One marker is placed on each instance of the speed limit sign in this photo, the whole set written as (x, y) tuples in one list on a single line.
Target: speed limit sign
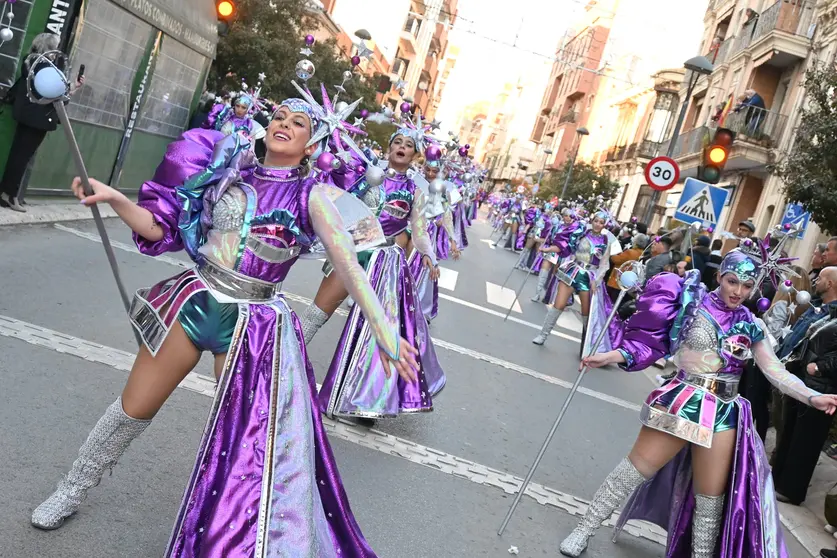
[(662, 173)]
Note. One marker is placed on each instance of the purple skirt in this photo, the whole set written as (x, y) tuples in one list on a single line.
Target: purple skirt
[(459, 226), (427, 291), (356, 384), (439, 236), (751, 527), (265, 482)]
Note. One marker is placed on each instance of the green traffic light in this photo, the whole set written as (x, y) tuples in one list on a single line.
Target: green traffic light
[(711, 174)]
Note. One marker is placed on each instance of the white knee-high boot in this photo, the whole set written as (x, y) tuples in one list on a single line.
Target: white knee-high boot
[(312, 319), (706, 525)]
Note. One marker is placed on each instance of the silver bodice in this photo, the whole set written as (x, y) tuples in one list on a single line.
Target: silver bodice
[(228, 213), (584, 252)]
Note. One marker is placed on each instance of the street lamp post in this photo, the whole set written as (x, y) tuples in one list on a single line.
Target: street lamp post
[(579, 133), (546, 152), (699, 66)]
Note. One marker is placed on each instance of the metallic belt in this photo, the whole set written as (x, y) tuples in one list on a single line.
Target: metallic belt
[(235, 285), (725, 389)]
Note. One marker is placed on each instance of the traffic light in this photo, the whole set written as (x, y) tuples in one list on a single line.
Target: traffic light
[(715, 156), (225, 10)]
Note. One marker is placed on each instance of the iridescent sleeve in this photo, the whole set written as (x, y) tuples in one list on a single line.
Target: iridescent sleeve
[(328, 225), (418, 224), (783, 380), (447, 223), (646, 335)]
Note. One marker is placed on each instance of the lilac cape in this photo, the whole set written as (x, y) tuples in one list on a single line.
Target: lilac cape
[(439, 235), (265, 481), (356, 384), (459, 225), (473, 213), (427, 291)]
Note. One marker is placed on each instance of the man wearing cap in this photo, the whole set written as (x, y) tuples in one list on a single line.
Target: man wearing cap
[(746, 229)]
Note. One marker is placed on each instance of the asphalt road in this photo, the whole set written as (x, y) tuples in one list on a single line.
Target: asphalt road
[(427, 485)]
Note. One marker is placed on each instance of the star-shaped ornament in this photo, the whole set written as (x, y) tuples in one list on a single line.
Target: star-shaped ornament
[(400, 84), (362, 50), (332, 123), (262, 75), (358, 123), (434, 124), (306, 51)]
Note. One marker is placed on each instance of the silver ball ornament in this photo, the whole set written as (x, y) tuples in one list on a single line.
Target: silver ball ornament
[(340, 106), (786, 287), (304, 69), (388, 112), (347, 75), (803, 298), (438, 185), (10, 14), (374, 176), (391, 173), (6, 34), (336, 163), (467, 177)]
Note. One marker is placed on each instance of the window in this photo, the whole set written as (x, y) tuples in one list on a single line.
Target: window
[(111, 45), (173, 85)]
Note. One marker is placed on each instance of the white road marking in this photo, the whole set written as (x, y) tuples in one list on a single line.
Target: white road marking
[(368, 438), (448, 278), (490, 243), (501, 296)]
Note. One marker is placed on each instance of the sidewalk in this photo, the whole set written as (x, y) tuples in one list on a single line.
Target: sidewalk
[(51, 210), (807, 522)]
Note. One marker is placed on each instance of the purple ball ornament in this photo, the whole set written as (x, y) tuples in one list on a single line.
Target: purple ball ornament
[(463, 151), (309, 40), (788, 283), (747, 242), (787, 226), (763, 304), (657, 238), (467, 146), (711, 229), (634, 219), (355, 60), (325, 161), (405, 107), (364, 113), (433, 153)]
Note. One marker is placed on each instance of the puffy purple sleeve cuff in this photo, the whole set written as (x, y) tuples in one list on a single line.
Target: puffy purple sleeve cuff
[(646, 338), (184, 157), (212, 117)]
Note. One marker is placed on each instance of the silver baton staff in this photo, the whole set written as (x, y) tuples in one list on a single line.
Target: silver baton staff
[(47, 84), (630, 278)]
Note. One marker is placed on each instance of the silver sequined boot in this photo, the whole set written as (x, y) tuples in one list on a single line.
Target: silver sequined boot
[(618, 485), (523, 260), (106, 443), (312, 320), (543, 279), (549, 322), (706, 526)]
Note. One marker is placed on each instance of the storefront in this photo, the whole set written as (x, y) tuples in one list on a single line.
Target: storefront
[(145, 66)]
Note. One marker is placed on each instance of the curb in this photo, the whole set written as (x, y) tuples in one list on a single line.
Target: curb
[(41, 213)]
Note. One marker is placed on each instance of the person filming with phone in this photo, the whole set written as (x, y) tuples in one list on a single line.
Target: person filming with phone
[(33, 121)]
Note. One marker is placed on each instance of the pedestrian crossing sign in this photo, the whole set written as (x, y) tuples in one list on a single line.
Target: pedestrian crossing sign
[(701, 202)]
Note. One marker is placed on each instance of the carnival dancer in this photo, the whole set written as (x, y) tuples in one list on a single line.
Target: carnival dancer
[(356, 384), (244, 225), (236, 117), (533, 226), (512, 223), (458, 206), (441, 234), (585, 253), (698, 467)]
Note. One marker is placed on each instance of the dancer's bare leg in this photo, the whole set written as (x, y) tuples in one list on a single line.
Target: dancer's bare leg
[(651, 451), (150, 383)]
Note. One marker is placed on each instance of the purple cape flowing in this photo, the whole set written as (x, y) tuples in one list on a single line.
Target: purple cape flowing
[(427, 291)]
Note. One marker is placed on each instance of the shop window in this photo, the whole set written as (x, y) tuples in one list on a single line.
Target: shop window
[(173, 84), (111, 43)]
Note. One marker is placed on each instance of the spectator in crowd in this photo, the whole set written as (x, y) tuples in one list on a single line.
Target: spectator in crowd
[(817, 261), (746, 229), (813, 357), (709, 277), (700, 254), (202, 110), (661, 257), (33, 121), (640, 242), (829, 256)]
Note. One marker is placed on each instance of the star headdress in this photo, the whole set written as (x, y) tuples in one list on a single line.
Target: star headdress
[(332, 124), (412, 129), (772, 263)]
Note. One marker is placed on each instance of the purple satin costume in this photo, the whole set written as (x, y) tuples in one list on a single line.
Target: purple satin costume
[(669, 313), (265, 482), (222, 118), (356, 384)]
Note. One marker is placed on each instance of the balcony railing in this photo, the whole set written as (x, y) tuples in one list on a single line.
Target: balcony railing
[(568, 117), (757, 125), (782, 16), (744, 37), (646, 149)]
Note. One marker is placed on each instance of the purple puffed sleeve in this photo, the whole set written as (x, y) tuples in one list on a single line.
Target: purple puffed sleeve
[(646, 335), (348, 175), (184, 157), (212, 117), (564, 239)]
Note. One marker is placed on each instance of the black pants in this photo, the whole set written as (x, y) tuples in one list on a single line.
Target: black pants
[(798, 448), (25, 144), (756, 388)]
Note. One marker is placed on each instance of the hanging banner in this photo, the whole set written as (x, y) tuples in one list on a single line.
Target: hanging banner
[(62, 18), (136, 107)]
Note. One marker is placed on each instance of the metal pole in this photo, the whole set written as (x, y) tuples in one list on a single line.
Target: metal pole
[(517, 294), (570, 396), (671, 144), (97, 217), (569, 172)]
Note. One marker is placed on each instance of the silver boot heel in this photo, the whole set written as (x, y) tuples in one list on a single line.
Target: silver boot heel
[(707, 525), (618, 485), (106, 443), (549, 322)]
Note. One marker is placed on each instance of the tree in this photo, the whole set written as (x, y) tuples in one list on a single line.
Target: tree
[(266, 37), (809, 169), (586, 182)]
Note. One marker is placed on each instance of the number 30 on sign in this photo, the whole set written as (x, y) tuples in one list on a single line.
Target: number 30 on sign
[(662, 173)]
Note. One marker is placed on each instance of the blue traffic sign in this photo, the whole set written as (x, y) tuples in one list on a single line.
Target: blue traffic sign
[(701, 202), (796, 215)]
